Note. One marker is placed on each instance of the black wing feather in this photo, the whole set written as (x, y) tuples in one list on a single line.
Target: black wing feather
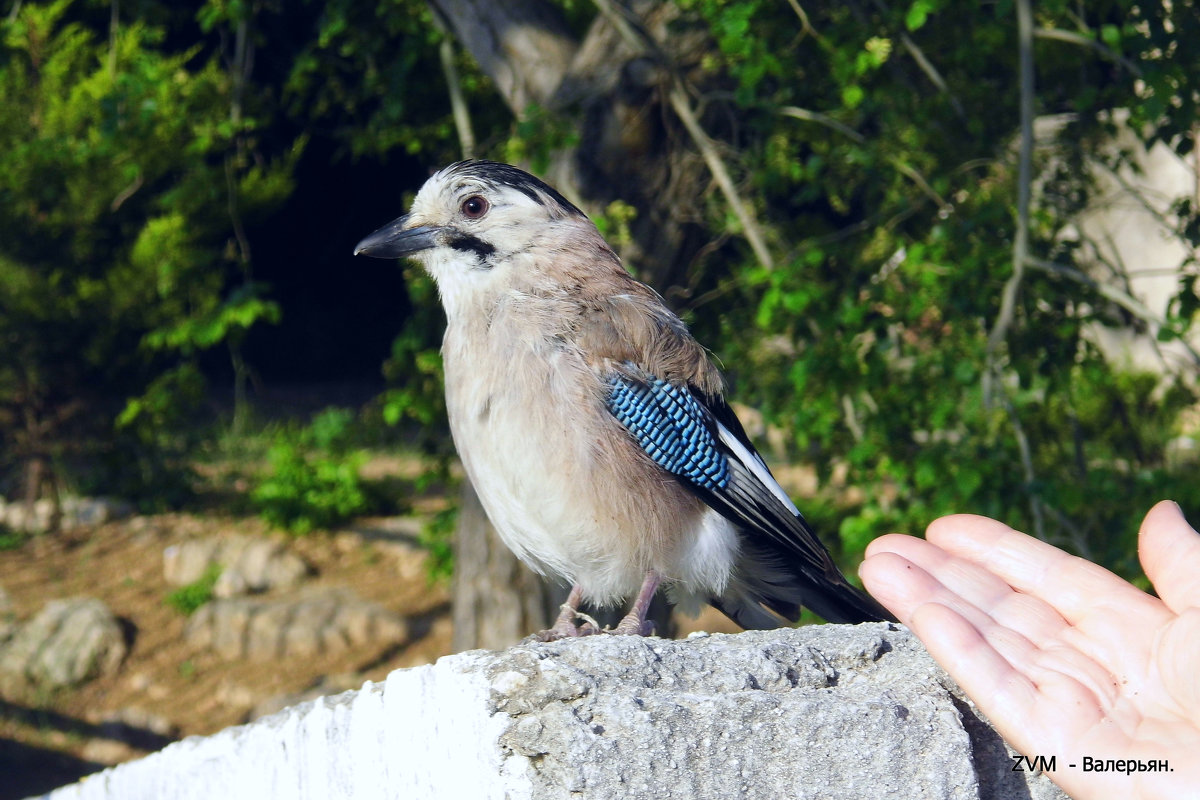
[(784, 564)]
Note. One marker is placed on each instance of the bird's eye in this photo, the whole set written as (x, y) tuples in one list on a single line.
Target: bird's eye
[(474, 207)]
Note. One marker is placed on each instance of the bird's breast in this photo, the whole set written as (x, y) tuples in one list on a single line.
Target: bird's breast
[(560, 479)]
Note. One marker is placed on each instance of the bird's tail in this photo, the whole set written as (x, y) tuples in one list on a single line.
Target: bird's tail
[(766, 592)]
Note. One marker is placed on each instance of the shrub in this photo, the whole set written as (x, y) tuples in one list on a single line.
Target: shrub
[(314, 480)]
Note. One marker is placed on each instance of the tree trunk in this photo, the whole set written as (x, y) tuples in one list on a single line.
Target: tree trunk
[(497, 599), (631, 146), (523, 45)]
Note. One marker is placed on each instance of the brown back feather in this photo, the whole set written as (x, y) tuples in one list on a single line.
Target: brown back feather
[(622, 321)]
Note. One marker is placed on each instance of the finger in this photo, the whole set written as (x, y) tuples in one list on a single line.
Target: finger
[(1035, 705), (1003, 694), (1026, 632), (1108, 620), (1170, 553), (962, 584), (1074, 587), (902, 586), (967, 579)]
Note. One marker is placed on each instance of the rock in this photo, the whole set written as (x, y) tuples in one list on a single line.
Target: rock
[(235, 695), (1182, 452), (395, 538), (73, 512), (19, 516), (231, 583), (320, 621), (79, 511), (825, 711), (68, 642), (139, 682), (187, 562), (258, 563), (108, 751)]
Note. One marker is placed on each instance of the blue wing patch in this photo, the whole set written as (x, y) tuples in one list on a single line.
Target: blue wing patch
[(668, 422)]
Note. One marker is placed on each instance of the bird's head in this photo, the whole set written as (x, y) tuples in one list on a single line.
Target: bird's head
[(479, 225)]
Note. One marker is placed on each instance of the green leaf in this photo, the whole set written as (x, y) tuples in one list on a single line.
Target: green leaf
[(917, 14)]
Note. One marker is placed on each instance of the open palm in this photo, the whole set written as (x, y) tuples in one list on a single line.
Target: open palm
[(1065, 658)]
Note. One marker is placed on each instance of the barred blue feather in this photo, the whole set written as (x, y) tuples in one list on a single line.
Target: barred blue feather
[(670, 426)]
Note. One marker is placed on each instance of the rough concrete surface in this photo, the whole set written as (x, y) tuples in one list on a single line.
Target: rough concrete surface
[(819, 712)]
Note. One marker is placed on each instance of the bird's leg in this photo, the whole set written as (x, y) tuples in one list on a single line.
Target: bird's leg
[(564, 626), (635, 622)]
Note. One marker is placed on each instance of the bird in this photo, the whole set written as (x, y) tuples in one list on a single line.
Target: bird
[(592, 424)]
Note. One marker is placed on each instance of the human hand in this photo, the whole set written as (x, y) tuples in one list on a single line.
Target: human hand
[(1065, 658)]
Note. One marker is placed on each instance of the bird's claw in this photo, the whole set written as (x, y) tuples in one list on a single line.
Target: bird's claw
[(632, 626), (565, 627)]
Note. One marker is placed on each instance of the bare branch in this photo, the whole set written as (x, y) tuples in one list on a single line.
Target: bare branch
[(822, 119), (1140, 197), (931, 72), (1076, 536), (1057, 34), (128, 192), (1020, 256), (1109, 292), (458, 103), (851, 417), (1035, 502), (114, 30), (639, 39), (919, 180), (805, 25), (750, 228)]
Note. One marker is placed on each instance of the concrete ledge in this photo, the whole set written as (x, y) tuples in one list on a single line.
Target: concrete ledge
[(826, 711)]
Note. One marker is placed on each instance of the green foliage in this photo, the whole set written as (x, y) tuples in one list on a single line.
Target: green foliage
[(366, 75), (155, 437), (127, 170), (231, 318), (12, 540), (535, 136), (186, 599), (895, 216), (613, 224), (414, 370), (314, 481)]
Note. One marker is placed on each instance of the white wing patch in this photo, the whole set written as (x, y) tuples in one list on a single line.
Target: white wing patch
[(756, 465)]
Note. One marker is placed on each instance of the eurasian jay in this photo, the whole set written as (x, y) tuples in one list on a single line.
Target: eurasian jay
[(592, 424)]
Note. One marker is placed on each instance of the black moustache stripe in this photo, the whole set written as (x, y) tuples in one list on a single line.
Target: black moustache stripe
[(471, 244)]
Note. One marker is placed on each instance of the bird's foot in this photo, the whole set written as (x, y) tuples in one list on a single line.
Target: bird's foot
[(635, 623), (631, 625), (565, 628)]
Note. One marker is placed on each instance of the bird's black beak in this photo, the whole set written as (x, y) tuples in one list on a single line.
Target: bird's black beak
[(396, 240)]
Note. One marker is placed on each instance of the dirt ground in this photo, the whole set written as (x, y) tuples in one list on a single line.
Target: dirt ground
[(48, 739)]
